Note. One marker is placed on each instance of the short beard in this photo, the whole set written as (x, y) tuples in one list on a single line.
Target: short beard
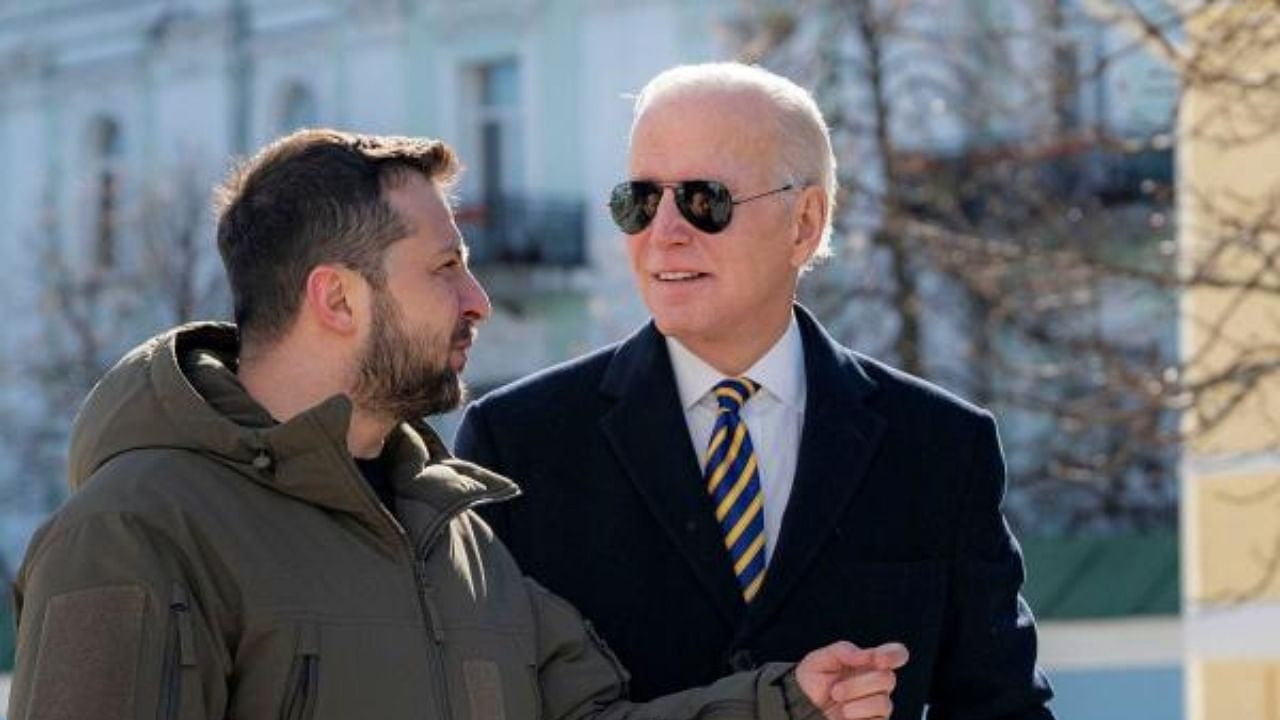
[(401, 376)]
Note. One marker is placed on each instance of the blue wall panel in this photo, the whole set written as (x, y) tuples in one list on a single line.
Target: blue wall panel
[(1128, 694)]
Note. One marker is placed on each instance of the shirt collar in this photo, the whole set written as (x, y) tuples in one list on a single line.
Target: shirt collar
[(780, 371)]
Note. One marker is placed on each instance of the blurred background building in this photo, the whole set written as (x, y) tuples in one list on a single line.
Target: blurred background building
[(1011, 227)]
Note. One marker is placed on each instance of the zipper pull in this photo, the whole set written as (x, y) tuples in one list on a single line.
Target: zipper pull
[(181, 609)]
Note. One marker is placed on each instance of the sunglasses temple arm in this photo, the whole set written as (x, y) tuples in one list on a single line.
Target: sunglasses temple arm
[(775, 191)]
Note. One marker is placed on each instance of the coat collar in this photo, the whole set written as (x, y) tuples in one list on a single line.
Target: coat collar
[(842, 431), (647, 431)]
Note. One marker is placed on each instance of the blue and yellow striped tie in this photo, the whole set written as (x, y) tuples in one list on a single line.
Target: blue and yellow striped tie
[(733, 482)]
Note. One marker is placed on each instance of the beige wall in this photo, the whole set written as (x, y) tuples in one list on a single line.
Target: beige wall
[(1241, 690), (1229, 184)]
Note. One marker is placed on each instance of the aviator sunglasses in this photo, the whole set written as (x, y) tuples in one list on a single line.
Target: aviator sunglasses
[(706, 204)]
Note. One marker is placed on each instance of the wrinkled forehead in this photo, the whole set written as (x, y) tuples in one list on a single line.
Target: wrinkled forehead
[(704, 133)]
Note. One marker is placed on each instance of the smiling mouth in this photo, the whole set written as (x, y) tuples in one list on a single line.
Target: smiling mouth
[(678, 276)]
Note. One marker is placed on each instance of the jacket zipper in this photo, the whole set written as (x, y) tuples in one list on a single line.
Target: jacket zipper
[(436, 630), (426, 599), (180, 655)]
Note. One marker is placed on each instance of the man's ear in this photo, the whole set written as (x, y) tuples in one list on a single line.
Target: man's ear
[(333, 295), (810, 219)]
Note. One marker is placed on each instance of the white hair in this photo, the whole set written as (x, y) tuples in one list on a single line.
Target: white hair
[(804, 141)]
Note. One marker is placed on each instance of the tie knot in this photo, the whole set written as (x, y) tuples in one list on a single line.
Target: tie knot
[(733, 393)]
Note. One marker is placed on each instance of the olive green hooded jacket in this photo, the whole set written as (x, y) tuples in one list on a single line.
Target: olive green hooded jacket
[(211, 563)]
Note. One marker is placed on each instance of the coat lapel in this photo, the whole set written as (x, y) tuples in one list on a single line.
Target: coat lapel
[(839, 439), (647, 431)]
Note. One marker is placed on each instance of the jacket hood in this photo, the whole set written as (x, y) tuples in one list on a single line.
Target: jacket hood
[(147, 401), (179, 391)]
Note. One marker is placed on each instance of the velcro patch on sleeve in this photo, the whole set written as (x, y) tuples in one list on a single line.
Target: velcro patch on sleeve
[(87, 662)]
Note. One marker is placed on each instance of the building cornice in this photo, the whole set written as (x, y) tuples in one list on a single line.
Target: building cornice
[(452, 16)]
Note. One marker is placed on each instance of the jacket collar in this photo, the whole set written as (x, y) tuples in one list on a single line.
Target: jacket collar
[(197, 403)]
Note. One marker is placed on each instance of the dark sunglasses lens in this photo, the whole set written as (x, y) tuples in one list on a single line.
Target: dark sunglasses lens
[(633, 205), (706, 204)]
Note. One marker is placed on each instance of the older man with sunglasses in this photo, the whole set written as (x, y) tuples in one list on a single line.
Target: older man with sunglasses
[(729, 486)]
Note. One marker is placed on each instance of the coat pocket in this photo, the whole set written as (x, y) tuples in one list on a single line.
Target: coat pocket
[(179, 656), (303, 684)]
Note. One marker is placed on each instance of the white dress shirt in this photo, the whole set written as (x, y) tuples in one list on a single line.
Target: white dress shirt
[(774, 416)]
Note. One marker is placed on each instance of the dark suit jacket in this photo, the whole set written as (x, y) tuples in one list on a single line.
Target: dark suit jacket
[(893, 530)]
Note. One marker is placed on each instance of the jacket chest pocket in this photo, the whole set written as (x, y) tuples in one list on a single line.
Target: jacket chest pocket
[(492, 674), (317, 669), (180, 689)]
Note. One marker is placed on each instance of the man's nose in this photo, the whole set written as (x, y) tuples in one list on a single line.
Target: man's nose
[(475, 301), (668, 224)]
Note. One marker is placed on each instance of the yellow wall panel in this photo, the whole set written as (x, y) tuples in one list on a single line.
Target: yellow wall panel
[(1229, 187), (1236, 418), (1239, 690), (1235, 528), (1228, 190)]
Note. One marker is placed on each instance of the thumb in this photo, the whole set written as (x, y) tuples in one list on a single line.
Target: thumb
[(890, 656)]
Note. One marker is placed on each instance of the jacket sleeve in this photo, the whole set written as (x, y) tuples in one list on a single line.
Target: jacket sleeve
[(987, 665), (108, 627), (581, 678)]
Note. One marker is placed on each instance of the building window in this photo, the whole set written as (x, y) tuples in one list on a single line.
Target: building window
[(297, 108), (501, 141), (107, 152), (503, 222)]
